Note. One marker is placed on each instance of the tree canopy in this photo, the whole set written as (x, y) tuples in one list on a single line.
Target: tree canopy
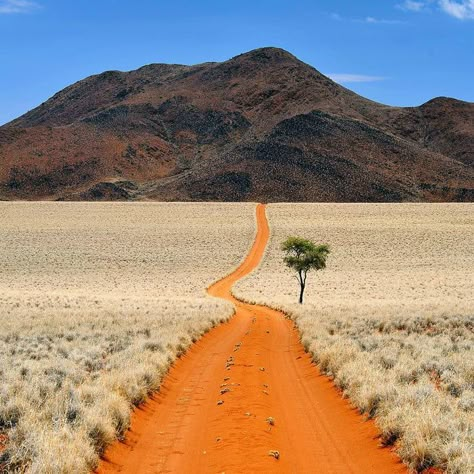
[(303, 255)]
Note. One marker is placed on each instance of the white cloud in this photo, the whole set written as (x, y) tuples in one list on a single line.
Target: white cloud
[(411, 5), (17, 6), (336, 16), (463, 10), (368, 19), (380, 21), (346, 78), (460, 9)]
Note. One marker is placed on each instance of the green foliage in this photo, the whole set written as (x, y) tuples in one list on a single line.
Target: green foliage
[(304, 255)]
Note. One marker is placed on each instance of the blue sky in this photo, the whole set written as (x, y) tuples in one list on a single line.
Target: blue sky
[(399, 52)]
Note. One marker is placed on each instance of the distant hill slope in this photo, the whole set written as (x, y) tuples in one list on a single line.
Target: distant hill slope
[(262, 126)]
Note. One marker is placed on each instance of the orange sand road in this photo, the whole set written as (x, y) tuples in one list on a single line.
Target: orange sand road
[(258, 357)]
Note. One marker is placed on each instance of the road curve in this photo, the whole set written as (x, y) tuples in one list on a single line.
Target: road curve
[(258, 363)]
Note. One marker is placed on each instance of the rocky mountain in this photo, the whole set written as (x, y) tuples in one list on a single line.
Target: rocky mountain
[(262, 126)]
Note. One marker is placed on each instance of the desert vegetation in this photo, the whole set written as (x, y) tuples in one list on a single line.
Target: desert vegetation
[(303, 256), (96, 301), (391, 318)]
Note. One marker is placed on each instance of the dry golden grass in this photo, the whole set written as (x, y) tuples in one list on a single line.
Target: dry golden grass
[(391, 318), (96, 301)]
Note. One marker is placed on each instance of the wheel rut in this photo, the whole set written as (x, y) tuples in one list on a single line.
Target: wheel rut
[(246, 398)]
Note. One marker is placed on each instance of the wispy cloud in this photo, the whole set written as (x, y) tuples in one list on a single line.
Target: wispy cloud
[(347, 78), (463, 10), (412, 6), (380, 21), (460, 9), (337, 17), (368, 20), (17, 6)]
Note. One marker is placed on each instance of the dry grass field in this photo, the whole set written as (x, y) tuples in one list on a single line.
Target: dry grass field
[(391, 318), (96, 301)]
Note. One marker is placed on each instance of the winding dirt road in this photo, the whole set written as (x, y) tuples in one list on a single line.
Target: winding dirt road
[(245, 389)]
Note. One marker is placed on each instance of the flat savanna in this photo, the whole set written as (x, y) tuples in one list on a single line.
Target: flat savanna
[(391, 318), (97, 300)]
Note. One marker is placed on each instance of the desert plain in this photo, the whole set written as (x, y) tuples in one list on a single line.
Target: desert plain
[(98, 300)]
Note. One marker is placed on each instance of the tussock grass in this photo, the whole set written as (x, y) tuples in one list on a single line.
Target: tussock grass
[(391, 319), (96, 302)]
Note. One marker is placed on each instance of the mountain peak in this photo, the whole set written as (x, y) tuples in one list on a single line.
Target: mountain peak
[(265, 54)]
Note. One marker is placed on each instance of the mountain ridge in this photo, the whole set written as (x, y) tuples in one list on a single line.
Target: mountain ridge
[(260, 126)]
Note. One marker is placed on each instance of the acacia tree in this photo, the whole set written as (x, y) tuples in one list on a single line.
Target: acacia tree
[(302, 255)]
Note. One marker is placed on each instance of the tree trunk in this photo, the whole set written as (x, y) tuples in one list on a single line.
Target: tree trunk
[(301, 292)]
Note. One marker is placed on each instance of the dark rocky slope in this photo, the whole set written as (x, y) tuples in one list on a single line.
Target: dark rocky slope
[(262, 126)]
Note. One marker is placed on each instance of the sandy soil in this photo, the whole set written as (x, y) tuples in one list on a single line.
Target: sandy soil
[(246, 398)]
